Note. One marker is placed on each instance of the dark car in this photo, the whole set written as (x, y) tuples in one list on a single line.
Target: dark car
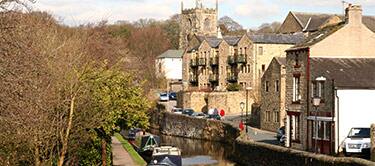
[(173, 96), (214, 116), (188, 111), (280, 133)]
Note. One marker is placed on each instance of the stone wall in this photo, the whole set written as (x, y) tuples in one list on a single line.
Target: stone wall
[(229, 101), (189, 127), (255, 153), (373, 142)]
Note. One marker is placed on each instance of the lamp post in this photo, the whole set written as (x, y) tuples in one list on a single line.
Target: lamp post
[(316, 103), (247, 103), (242, 106)]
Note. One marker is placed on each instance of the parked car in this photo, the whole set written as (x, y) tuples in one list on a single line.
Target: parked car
[(214, 116), (164, 97), (177, 110), (357, 142), (172, 96), (280, 133), (188, 111), (199, 115)]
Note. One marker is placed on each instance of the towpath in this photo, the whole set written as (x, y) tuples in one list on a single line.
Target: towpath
[(120, 156)]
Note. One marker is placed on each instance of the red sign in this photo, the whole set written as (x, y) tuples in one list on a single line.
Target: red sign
[(222, 112), (241, 126)]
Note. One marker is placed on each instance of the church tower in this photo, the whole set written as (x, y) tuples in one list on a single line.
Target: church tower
[(197, 21)]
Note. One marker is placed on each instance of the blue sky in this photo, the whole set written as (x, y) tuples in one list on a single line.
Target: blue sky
[(249, 13)]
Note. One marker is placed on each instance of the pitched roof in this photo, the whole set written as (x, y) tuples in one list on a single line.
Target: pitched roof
[(352, 73), (232, 40), (213, 41), (171, 54), (312, 21), (317, 36), (277, 38), (281, 60)]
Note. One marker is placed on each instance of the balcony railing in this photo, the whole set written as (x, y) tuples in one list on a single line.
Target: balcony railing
[(214, 61), (193, 79), (214, 78), (201, 62), (193, 62), (231, 60), (232, 77), (241, 58)]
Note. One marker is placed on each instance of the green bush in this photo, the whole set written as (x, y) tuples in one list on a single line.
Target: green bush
[(234, 87)]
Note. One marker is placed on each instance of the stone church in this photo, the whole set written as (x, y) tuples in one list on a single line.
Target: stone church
[(197, 21)]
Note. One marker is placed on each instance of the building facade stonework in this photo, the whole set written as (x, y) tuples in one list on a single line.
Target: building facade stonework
[(308, 76), (272, 115), (373, 142)]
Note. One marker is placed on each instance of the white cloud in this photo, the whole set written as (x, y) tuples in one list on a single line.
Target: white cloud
[(328, 3), (257, 9)]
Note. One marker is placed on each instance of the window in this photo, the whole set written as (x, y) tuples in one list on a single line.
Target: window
[(248, 68), (260, 50), (207, 24), (318, 89), (296, 88), (266, 88), (268, 116), (277, 86), (263, 67), (294, 127), (275, 116), (324, 130)]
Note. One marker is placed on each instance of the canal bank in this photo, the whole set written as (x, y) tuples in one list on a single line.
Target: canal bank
[(245, 151), (188, 127)]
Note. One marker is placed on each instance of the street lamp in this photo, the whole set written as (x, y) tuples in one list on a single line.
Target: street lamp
[(242, 106), (247, 103), (316, 103)]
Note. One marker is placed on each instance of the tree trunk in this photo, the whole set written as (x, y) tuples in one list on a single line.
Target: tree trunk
[(104, 152), (66, 138), (36, 155)]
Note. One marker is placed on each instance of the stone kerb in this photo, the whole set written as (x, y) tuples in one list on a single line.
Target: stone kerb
[(373, 142)]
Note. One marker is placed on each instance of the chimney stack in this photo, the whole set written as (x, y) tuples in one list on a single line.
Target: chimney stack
[(353, 14)]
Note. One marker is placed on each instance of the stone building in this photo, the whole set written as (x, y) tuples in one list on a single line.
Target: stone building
[(345, 40), (272, 115), (197, 21), (311, 22)]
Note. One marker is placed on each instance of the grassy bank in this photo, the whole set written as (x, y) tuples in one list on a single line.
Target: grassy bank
[(135, 156)]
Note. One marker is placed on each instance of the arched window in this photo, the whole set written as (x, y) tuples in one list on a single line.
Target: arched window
[(207, 24)]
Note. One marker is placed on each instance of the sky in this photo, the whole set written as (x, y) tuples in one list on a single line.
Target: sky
[(249, 13)]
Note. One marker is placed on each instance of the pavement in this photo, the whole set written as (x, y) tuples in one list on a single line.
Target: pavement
[(120, 156), (255, 134)]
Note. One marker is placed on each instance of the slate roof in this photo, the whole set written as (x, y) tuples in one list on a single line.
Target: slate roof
[(313, 20), (171, 54), (213, 41), (232, 40), (277, 38), (317, 19), (281, 60), (317, 36), (348, 73)]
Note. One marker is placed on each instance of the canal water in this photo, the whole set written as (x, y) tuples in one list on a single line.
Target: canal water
[(199, 152)]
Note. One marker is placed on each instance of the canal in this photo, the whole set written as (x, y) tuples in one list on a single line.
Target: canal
[(199, 152)]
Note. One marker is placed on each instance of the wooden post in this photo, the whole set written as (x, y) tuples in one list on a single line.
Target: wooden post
[(373, 142)]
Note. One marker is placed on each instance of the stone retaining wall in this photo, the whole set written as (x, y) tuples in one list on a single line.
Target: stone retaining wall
[(261, 154), (202, 101), (373, 142), (189, 127)]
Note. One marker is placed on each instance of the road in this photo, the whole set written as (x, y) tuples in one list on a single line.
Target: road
[(254, 133)]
